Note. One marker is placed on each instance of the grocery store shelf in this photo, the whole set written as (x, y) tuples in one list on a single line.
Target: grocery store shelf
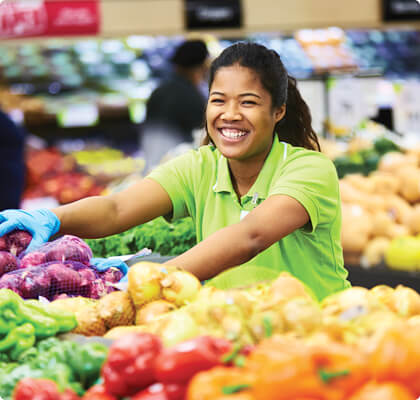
[(382, 275)]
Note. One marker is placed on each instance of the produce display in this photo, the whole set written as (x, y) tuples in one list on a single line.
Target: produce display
[(158, 235), (50, 173), (52, 365), (174, 338), (57, 269), (267, 341), (381, 207)]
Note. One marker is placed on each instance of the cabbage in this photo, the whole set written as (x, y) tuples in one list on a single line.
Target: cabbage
[(8, 262)]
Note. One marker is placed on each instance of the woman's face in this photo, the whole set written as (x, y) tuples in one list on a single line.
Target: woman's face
[(240, 118)]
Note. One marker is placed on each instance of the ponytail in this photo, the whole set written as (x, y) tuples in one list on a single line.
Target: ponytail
[(296, 126)]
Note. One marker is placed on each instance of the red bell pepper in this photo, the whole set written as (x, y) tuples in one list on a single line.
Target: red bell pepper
[(40, 389), (130, 362), (160, 391), (68, 394), (181, 362), (98, 392)]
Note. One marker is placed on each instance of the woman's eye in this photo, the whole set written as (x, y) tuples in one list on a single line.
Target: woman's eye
[(249, 102), (217, 101)]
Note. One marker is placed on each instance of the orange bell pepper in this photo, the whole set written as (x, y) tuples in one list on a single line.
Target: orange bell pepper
[(396, 357), (383, 391), (221, 383)]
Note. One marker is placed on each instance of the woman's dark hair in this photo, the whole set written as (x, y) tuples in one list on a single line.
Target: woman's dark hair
[(295, 127)]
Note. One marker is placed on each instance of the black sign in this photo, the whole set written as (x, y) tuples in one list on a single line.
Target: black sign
[(401, 10), (204, 14)]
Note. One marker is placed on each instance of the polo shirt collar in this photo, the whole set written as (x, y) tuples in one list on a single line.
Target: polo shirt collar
[(261, 186)]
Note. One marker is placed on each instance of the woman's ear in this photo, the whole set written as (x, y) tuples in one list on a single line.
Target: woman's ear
[(280, 112)]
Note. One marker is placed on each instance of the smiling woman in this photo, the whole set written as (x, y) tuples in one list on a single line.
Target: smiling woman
[(259, 191)]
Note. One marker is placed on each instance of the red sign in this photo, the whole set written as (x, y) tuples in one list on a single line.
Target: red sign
[(26, 18)]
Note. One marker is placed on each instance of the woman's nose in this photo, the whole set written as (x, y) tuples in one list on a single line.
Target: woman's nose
[(231, 113)]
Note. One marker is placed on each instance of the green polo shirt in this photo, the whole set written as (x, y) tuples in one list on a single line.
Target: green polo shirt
[(199, 186)]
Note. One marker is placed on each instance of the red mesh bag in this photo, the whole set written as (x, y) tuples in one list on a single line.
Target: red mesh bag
[(60, 279), (65, 248)]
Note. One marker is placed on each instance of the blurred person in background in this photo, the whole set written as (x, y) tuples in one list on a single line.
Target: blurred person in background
[(176, 107), (12, 166)]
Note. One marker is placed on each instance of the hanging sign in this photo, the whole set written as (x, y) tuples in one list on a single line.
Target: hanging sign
[(346, 103), (31, 18), (401, 10), (203, 14), (407, 108)]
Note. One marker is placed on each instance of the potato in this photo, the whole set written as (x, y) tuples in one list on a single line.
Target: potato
[(356, 228), (374, 252), (393, 161), (385, 182)]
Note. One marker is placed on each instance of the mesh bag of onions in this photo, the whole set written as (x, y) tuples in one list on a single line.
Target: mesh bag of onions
[(58, 279), (65, 248)]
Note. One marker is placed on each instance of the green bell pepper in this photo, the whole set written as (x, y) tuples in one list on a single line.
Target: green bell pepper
[(87, 361), (10, 316), (65, 320), (18, 340)]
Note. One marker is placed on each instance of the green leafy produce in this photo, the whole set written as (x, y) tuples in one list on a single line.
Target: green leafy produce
[(69, 364), (364, 161), (158, 235)]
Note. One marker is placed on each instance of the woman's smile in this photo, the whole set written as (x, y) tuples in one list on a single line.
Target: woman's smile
[(233, 134)]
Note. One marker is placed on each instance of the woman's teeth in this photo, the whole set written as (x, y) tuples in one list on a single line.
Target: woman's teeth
[(233, 133)]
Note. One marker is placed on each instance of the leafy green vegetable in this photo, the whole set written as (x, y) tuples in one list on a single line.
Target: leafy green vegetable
[(67, 363), (168, 239)]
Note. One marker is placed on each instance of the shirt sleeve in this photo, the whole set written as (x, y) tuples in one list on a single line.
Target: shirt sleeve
[(175, 177), (311, 179)]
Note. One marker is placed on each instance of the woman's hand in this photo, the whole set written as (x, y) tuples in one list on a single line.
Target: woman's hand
[(42, 224)]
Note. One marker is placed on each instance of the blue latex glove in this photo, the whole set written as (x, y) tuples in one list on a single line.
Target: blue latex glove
[(41, 224), (102, 264)]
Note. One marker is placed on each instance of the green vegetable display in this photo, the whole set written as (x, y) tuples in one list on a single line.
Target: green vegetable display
[(366, 160), (157, 235), (67, 363), (45, 319)]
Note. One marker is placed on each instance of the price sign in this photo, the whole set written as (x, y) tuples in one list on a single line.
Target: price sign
[(399, 10), (407, 108), (346, 103), (78, 115), (203, 14), (27, 18)]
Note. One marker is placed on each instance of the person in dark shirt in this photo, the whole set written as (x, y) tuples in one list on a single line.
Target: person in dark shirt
[(177, 106), (12, 167)]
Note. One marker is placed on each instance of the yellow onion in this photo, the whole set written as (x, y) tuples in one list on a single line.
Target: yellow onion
[(302, 315), (176, 327), (144, 282), (150, 311), (180, 287), (407, 301)]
